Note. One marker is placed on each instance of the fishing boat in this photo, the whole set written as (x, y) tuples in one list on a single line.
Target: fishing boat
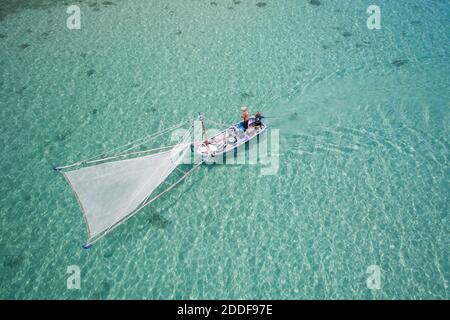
[(229, 139), (115, 185)]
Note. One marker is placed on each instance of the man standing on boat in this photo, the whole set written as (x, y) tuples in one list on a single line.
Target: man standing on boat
[(245, 117)]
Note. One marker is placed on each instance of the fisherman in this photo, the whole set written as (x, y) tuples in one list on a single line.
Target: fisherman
[(258, 118), (245, 117)]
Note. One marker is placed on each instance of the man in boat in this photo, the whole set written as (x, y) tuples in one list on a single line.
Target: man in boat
[(258, 118), (245, 117)]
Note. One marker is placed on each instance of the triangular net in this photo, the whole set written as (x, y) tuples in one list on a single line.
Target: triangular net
[(109, 192)]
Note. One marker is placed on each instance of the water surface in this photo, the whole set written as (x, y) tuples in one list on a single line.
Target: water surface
[(364, 148)]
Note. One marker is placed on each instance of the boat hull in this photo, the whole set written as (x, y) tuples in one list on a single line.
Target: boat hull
[(228, 140)]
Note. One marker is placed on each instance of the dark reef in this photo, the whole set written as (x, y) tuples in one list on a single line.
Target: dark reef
[(9, 7), (346, 34), (24, 46), (399, 62)]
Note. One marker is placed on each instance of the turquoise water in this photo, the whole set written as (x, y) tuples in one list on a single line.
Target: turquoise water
[(364, 148)]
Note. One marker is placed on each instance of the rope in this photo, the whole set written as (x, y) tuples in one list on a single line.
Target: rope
[(134, 153), (141, 140), (116, 149), (168, 130), (151, 138)]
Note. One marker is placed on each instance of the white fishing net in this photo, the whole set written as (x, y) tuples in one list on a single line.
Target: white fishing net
[(109, 192)]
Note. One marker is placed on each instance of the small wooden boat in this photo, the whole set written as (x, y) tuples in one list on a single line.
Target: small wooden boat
[(229, 139)]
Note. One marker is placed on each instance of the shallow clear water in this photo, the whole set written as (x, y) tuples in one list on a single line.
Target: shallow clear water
[(364, 148)]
